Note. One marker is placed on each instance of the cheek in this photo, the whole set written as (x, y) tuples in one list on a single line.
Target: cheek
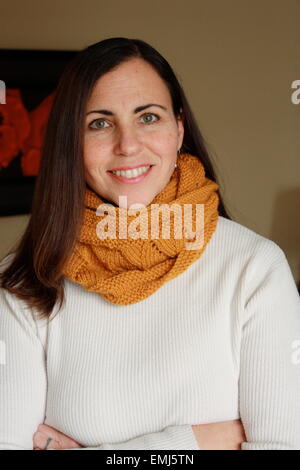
[(165, 138), (92, 153)]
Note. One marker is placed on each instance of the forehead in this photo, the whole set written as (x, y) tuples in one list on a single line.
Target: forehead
[(135, 80)]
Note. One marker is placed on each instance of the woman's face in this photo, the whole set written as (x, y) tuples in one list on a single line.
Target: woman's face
[(123, 131)]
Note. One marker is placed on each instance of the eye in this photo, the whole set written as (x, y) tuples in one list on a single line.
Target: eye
[(151, 114), (101, 120)]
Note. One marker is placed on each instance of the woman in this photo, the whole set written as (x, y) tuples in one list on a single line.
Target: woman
[(155, 344)]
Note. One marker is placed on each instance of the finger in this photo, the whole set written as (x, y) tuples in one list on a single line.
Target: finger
[(49, 431), (64, 440), (40, 441), (34, 438), (54, 433)]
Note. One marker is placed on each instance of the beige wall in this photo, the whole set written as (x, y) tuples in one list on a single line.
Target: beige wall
[(236, 60)]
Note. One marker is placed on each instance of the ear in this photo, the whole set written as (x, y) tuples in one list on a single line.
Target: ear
[(180, 125)]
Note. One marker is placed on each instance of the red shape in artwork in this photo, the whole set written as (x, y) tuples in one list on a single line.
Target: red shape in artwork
[(14, 126), (22, 131), (30, 160)]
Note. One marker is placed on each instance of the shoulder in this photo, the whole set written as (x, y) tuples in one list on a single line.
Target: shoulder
[(15, 312), (256, 265), (240, 242)]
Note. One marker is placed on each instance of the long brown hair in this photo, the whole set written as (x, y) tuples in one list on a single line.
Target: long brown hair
[(35, 273)]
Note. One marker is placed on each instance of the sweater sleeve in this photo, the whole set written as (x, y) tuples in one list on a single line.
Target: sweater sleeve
[(177, 437), (269, 380), (23, 382)]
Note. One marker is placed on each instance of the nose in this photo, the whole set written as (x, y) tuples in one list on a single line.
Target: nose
[(128, 141)]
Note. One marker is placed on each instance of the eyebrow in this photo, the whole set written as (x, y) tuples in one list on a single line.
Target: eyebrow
[(136, 110)]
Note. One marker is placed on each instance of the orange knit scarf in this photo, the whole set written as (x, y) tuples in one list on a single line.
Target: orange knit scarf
[(127, 270)]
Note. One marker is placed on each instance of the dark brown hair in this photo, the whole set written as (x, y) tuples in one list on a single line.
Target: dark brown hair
[(35, 274)]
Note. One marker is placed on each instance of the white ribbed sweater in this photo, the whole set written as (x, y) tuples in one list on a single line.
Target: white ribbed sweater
[(219, 342)]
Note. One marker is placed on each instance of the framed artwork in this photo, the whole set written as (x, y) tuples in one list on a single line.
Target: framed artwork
[(30, 78)]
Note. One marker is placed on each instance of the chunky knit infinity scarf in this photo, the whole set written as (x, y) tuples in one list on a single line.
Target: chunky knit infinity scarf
[(127, 269)]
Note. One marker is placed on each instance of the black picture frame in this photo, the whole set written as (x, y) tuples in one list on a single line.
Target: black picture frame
[(35, 73)]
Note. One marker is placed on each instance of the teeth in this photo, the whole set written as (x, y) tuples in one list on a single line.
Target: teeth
[(131, 173)]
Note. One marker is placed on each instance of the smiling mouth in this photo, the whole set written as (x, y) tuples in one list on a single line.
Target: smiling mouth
[(131, 176), (131, 172)]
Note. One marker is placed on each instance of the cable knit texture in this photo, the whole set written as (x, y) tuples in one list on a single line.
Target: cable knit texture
[(127, 270)]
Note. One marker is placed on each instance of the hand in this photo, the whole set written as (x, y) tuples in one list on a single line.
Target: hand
[(224, 435), (60, 441)]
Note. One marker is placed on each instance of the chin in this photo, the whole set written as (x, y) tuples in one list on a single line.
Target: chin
[(139, 201)]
